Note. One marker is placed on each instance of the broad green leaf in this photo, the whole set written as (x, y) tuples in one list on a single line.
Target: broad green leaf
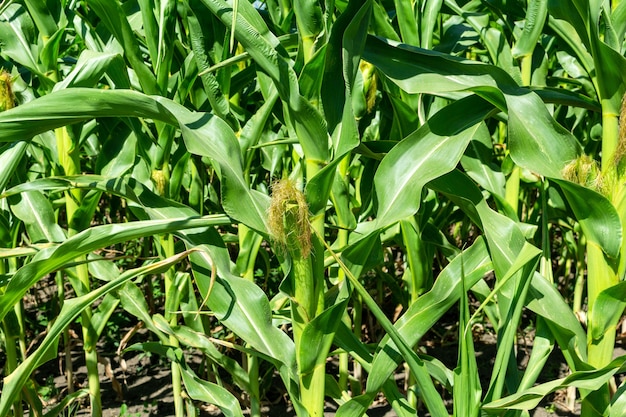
[(70, 311), (430, 152), (407, 22), (429, 308), (117, 156), (618, 402), (197, 389), (239, 304), (51, 259), (512, 290), (543, 345), (428, 20), (493, 38), (618, 16), (597, 216), (37, 214), (49, 54), (317, 337), (343, 58), (566, 97), (607, 310), (419, 255), (426, 71), (536, 13), (537, 142), (545, 300), (66, 402), (114, 19), (211, 393), (200, 341), (477, 163), (310, 22), (9, 160), (529, 399), (91, 67), (428, 392), (466, 389), (264, 48), (101, 315), (216, 96), (134, 302), (223, 148), (42, 17), (17, 34), (204, 135)]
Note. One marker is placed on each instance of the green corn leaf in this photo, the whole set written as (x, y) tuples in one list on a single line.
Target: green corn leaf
[(430, 152), (197, 388), (204, 135), (264, 48), (90, 69), (17, 33), (536, 14), (545, 300), (51, 259), (114, 19), (211, 393), (537, 141), (428, 20), (422, 314), (317, 337), (71, 309), (37, 214), (607, 310), (239, 304), (134, 302), (407, 22), (42, 16), (100, 317), (49, 54), (66, 402), (543, 345), (597, 216), (216, 96), (9, 160), (477, 163), (529, 399), (466, 389), (200, 341)]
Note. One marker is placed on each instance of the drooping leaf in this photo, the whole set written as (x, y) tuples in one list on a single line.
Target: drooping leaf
[(71, 309)]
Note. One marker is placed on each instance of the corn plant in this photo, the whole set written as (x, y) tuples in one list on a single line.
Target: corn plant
[(318, 138)]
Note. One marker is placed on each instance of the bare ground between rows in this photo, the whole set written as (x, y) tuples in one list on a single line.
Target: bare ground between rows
[(147, 389)]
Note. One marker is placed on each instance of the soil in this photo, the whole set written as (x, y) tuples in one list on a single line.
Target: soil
[(140, 385), (146, 385)]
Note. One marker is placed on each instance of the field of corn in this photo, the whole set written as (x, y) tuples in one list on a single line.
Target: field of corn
[(323, 203)]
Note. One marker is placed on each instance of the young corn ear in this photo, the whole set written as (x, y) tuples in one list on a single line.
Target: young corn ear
[(7, 99), (160, 181), (288, 219), (585, 171), (369, 84)]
